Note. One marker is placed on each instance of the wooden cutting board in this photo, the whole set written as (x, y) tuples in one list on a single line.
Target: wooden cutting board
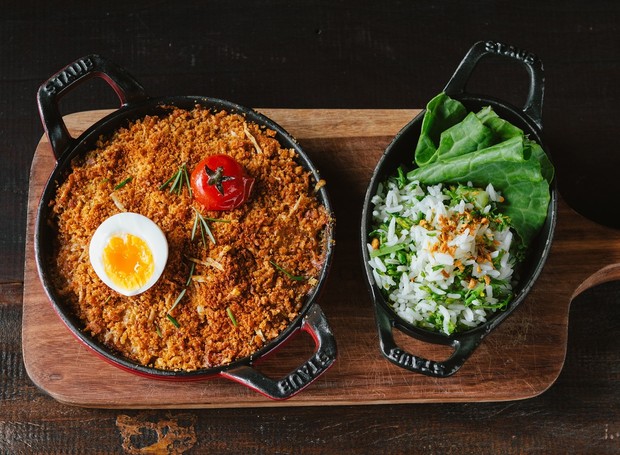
[(520, 359)]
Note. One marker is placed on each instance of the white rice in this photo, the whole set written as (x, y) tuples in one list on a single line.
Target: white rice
[(452, 267)]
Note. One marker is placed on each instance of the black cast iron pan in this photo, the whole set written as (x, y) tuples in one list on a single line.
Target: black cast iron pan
[(135, 104), (400, 152)]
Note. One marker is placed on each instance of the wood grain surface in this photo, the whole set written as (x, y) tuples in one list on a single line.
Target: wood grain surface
[(520, 359)]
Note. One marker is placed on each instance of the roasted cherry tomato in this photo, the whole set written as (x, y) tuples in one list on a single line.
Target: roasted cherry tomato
[(219, 182)]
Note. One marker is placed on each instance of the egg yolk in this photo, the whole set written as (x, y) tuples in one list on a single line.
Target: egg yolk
[(128, 261)]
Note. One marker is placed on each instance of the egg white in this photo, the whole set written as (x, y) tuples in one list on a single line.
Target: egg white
[(139, 226)]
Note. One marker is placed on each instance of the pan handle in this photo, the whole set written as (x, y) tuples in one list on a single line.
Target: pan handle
[(533, 104), (314, 323), (50, 92), (463, 347)]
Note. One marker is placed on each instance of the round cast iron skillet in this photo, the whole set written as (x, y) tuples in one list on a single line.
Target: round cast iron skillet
[(135, 104), (400, 152)]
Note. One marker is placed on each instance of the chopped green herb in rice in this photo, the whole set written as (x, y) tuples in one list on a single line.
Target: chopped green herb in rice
[(441, 254)]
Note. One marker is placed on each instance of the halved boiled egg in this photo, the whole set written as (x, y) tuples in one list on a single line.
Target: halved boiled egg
[(128, 252)]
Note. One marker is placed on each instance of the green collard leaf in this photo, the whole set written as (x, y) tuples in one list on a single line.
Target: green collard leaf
[(526, 205), (520, 181), (537, 153), (500, 128), (482, 148), (475, 132), (461, 168), (442, 112), (466, 136)]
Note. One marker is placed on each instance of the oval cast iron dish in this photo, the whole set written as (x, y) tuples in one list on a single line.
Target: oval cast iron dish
[(400, 152)]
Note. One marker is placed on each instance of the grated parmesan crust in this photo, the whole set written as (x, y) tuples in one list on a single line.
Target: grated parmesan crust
[(281, 223)]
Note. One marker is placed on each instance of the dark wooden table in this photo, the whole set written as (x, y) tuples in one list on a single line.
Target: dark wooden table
[(325, 55)]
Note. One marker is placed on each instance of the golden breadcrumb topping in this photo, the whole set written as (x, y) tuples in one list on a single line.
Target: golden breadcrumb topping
[(241, 292)]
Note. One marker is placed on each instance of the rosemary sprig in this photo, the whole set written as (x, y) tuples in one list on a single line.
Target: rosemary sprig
[(176, 302), (180, 296), (179, 179), (174, 321), (231, 316), (287, 273), (191, 273), (217, 220), (118, 186), (199, 220)]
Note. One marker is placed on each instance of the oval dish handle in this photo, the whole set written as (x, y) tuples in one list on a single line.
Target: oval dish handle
[(463, 348), (314, 323), (50, 92), (533, 104)]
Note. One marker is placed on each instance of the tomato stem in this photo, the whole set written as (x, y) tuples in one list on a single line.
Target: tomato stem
[(217, 178)]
